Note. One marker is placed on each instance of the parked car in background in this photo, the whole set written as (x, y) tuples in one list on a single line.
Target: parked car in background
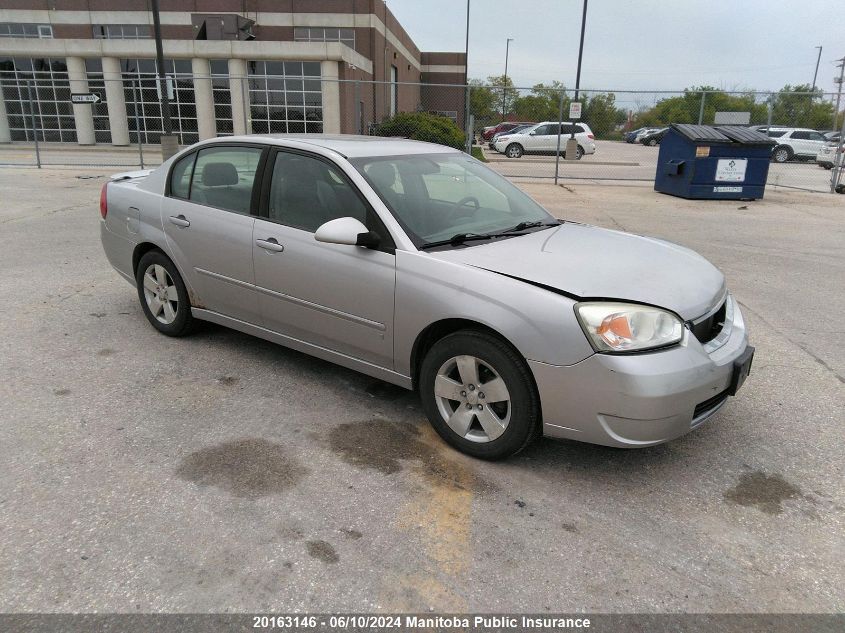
[(830, 154), (542, 138), (795, 143), (645, 132), (504, 126), (653, 138), (416, 264), (631, 137), (516, 130)]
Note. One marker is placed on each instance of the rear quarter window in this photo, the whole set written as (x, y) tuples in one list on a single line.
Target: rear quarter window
[(180, 177)]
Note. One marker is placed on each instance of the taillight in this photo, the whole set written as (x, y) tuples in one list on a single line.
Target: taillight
[(104, 203), (591, 136)]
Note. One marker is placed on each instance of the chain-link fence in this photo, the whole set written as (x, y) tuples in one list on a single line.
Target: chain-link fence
[(50, 117)]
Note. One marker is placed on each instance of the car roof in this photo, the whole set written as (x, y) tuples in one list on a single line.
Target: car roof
[(348, 145)]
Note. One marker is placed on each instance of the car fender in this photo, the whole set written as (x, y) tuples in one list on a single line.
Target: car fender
[(539, 322)]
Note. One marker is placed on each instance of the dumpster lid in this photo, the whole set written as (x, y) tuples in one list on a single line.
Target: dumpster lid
[(721, 134), (745, 136), (700, 133)]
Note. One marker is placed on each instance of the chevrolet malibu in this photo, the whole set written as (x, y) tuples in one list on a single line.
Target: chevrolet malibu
[(416, 264)]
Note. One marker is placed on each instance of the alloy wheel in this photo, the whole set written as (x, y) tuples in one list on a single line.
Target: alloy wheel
[(472, 398), (160, 294)]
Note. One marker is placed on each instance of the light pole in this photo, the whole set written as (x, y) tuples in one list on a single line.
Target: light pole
[(169, 146), (467, 129), (816, 74), (505, 82), (580, 50)]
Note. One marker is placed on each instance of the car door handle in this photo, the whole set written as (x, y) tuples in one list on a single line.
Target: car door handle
[(270, 244), (180, 220)]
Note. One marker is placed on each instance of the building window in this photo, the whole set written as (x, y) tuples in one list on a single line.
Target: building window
[(99, 111), (121, 31), (141, 90), (285, 97), (37, 88), (324, 34), (394, 90), (17, 29), (221, 96)]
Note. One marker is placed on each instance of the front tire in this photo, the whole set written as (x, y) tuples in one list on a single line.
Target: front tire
[(479, 395), (163, 296), (514, 150), (781, 154)]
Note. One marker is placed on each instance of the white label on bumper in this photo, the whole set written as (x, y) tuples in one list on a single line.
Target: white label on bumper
[(727, 189)]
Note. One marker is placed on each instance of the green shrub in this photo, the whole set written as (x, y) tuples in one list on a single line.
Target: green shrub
[(422, 126)]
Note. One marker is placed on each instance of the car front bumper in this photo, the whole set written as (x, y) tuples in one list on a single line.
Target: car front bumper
[(638, 400)]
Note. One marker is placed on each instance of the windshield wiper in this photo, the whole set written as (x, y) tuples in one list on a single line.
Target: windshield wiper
[(460, 238), (529, 225)]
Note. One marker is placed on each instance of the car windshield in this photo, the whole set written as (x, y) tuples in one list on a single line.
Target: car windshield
[(437, 196)]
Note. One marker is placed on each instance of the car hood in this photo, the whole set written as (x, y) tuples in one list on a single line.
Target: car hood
[(591, 262)]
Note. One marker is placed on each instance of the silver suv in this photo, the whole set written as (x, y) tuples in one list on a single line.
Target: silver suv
[(542, 138)]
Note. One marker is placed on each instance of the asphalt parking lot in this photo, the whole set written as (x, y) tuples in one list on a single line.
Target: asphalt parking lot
[(220, 472)]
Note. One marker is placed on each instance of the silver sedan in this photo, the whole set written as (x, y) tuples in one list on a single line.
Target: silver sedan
[(418, 265)]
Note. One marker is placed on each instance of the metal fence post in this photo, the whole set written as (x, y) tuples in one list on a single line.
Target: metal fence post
[(701, 109), (135, 97), (34, 127), (559, 129), (467, 123)]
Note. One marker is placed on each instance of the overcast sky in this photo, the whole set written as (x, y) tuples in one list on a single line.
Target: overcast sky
[(638, 44)]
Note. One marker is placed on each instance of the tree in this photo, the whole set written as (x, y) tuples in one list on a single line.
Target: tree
[(543, 104), (792, 108), (505, 94), (686, 108), (482, 102), (601, 114)]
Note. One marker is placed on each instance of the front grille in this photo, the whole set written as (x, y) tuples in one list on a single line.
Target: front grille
[(711, 403), (709, 328)]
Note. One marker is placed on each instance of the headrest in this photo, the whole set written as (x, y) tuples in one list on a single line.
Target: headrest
[(219, 174), (382, 173)]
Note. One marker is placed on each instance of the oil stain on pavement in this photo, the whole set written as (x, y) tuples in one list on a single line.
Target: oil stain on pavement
[(249, 468), (322, 550), (766, 492)]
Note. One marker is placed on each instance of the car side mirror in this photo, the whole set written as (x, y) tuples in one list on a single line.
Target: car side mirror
[(348, 231)]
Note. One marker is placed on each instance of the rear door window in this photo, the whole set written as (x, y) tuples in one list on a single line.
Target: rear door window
[(224, 176)]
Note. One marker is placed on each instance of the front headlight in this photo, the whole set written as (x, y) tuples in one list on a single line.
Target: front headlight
[(627, 327)]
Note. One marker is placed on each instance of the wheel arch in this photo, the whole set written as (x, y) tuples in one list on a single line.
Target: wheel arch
[(442, 328), (142, 248)]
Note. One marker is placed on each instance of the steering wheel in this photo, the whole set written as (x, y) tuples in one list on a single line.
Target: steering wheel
[(464, 202)]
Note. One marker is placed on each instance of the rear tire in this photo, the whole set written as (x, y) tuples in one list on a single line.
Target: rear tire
[(163, 296), (514, 150), (453, 377)]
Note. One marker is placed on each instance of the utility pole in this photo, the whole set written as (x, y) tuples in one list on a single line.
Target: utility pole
[(838, 92), (169, 145), (838, 157), (505, 82)]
